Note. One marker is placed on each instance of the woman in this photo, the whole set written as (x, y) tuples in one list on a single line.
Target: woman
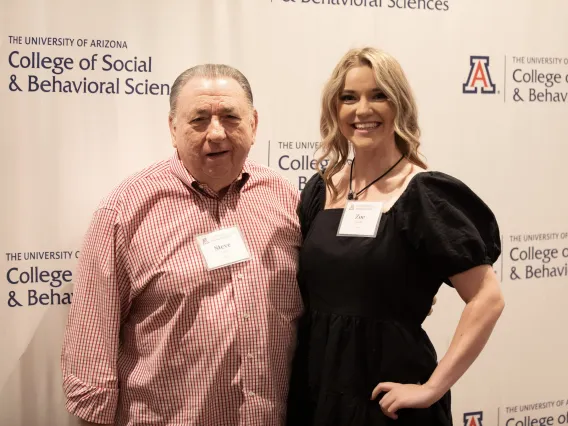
[(368, 281)]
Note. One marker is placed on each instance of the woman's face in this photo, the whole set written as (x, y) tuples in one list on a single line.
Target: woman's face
[(366, 117)]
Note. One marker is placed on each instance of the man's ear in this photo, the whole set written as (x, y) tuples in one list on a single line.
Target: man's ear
[(254, 124), (172, 124)]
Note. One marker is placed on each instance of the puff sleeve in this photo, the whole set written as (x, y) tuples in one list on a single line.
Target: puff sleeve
[(312, 200), (448, 225)]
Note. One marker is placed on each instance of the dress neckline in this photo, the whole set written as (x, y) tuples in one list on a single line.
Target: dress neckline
[(401, 196)]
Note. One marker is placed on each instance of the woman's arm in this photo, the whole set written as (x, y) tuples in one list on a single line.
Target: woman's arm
[(479, 289)]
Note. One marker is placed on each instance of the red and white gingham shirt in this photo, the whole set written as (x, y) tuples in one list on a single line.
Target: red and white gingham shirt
[(153, 337)]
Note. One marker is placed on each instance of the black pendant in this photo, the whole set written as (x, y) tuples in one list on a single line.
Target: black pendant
[(350, 195)]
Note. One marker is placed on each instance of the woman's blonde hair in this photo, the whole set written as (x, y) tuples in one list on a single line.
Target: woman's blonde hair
[(392, 81)]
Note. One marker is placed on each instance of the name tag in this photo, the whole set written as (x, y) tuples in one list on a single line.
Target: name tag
[(223, 248), (360, 219)]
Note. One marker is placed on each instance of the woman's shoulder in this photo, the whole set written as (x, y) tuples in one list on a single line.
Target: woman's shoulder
[(444, 204), (430, 188), (436, 179), (314, 182), (312, 200), (449, 223), (313, 189)]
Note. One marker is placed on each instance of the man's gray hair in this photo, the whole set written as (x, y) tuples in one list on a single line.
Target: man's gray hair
[(208, 71)]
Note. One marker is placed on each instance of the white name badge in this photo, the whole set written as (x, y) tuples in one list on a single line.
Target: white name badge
[(223, 248), (360, 219)]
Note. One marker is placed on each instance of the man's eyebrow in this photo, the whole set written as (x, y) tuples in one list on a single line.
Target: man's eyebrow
[(207, 111), (228, 110), (200, 111)]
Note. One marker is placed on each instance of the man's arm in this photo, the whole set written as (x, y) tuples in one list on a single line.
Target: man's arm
[(101, 299)]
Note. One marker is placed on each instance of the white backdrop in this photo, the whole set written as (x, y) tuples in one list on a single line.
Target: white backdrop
[(62, 152)]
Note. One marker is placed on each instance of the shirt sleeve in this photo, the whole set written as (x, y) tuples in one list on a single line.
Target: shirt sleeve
[(449, 226), (101, 301), (312, 200)]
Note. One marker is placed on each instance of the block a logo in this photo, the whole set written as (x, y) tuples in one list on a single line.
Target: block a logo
[(479, 76), (473, 419)]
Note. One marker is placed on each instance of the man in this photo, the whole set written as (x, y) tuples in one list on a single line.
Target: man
[(186, 299)]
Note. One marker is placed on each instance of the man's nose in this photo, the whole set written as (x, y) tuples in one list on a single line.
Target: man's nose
[(216, 131)]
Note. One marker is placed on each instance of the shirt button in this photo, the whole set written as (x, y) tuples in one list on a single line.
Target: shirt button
[(250, 356), (251, 393), (246, 316), (240, 276)]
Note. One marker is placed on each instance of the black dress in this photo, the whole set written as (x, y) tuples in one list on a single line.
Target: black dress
[(366, 299)]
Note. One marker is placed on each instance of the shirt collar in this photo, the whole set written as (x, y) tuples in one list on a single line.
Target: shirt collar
[(178, 170)]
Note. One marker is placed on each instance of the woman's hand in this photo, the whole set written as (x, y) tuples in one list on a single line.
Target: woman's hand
[(479, 289), (400, 396)]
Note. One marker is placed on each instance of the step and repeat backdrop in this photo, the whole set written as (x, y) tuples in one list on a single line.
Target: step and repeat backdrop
[(84, 102)]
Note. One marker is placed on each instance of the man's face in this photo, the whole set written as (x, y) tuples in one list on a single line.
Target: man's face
[(213, 129)]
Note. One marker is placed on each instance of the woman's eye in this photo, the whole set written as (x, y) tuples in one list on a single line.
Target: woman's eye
[(346, 98)]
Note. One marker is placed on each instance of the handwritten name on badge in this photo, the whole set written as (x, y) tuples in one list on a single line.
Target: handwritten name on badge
[(360, 219), (223, 248)]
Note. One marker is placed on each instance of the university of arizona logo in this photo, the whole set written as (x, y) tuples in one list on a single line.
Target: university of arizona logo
[(473, 419), (479, 76)]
